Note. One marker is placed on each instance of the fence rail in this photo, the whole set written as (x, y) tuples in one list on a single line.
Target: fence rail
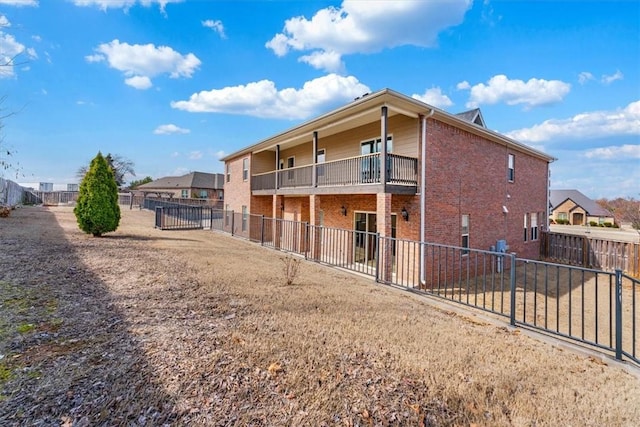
[(590, 306)]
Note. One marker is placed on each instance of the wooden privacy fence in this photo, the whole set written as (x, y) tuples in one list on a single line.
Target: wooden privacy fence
[(588, 252)]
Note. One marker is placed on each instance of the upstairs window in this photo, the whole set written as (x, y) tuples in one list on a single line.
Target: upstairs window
[(185, 194), (245, 169), (204, 194), (228, 172), (526, 226), (511, 173)]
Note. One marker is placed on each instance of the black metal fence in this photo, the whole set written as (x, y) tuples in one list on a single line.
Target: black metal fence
[(590, 306)]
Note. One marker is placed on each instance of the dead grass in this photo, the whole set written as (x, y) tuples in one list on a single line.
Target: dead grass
[(144, 327)]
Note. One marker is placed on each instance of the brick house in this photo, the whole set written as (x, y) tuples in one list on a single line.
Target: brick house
[(194, 185), (577, 209), (448, 179)]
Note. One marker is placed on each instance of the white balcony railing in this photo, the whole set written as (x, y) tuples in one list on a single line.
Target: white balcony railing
[(360, 170)]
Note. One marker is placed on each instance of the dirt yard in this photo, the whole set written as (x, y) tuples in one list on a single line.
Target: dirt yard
[(145, 327)]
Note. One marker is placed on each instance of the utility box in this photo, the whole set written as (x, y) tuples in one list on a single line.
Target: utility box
[(502, 247)]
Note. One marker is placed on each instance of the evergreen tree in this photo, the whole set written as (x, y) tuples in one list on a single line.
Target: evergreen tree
[(97, 209)]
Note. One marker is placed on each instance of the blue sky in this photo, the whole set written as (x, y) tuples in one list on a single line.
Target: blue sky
[(173, 85)]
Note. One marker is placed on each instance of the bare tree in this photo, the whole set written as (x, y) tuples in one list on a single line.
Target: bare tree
[(121, 167)]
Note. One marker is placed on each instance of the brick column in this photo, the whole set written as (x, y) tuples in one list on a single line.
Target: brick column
[(315, 232), (383, 221), (278, 202)]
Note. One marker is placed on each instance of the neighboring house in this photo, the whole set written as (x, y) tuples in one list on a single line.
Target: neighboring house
[(576, 208), (448, 179), (196, 185)]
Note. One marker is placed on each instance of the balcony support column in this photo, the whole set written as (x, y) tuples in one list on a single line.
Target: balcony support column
[(383, 147), (315, 233), (278, 213), (314, 171), (277, 177), (383, 223)]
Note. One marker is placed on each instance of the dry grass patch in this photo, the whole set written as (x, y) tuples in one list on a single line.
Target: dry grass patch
[(198, 328)]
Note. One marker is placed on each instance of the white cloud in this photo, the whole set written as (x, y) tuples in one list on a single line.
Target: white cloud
[(141, 62), (595, 124), (365, 27), (215, 26), (170, 129), (220, 154), (19, 3), (12, 53), (584, 77), (4, 22), (124, 4), (195, 155), (463, 85), (608, 79), (139, 82), (532, 93), (435, 97), (263, 99), (626, 151), (323, 60)]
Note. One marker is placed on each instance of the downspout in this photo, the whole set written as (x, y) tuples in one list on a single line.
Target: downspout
[(423, 195)]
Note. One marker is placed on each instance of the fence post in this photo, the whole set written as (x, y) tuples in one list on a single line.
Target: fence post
[(233, 217), (262, 231), (307, 242), (619, 314), (377, 255), (512, 286)]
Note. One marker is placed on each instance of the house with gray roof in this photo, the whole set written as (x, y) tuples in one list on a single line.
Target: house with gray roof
[(576, 208), (194, 185)]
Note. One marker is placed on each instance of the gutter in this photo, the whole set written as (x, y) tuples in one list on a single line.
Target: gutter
[(423, 195)]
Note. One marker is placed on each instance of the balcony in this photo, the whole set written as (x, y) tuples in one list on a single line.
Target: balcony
[(359, 174)]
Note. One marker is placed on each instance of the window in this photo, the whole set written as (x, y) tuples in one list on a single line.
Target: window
[(203, 194), (245, 169), (511, 175), (563, 215), (245, 217), (371, 164), (534, 226), (228, 172), (220, 194), (464, 230), (291, 162), (320, 159), (526, 226), (184, 194)]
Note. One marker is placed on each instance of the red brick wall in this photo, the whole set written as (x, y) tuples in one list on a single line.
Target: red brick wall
[(236, 191), (467, 174)]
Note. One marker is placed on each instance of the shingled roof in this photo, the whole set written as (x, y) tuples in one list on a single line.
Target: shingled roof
[(200, 180), (558, 197), (473, 116)]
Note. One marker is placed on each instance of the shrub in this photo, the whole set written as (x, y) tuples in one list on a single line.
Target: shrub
[(593, 223), (4, 211), (608, 224), (290, 269), (97, 209)]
